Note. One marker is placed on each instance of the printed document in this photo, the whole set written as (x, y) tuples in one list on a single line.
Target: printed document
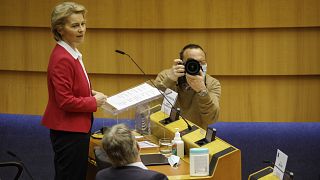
[(133, 96), (280, 164), (169, 101)]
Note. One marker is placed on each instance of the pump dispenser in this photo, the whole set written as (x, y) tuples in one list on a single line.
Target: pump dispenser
[(178, 144)]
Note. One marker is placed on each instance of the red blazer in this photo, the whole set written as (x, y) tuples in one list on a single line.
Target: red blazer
[(70, 104)]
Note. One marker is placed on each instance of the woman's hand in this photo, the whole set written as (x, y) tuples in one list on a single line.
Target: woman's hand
[(100, 98)]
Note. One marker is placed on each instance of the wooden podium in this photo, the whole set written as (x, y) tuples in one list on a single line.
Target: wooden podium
[(225, 159)]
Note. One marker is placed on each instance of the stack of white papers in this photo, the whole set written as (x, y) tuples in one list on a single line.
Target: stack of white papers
[(132, 97)]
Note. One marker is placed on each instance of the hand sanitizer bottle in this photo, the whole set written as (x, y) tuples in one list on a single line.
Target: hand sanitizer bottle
[(178, 145)]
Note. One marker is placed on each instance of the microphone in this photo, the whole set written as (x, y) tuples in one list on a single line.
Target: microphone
[(25, 167), (123, 53), (120, 52), (290, 173)]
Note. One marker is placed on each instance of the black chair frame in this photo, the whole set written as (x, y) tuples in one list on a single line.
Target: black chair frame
[(14, 164)]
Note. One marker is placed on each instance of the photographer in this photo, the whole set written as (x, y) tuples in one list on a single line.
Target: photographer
[(198, 92)]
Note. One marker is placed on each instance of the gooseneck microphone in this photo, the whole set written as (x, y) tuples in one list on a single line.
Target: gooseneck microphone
[(120, 52), (123, 53), (290, 173), (25, 167)]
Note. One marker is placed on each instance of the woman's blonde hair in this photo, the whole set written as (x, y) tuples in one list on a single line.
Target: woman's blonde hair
[(61, 12), (120, 145)]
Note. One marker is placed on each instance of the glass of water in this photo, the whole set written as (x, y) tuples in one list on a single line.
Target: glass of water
[(165, 146)]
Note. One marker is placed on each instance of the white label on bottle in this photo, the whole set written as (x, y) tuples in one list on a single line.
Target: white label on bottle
[(199, 165)]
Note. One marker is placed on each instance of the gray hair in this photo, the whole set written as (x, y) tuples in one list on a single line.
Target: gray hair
[(120, 145), (61, 12)]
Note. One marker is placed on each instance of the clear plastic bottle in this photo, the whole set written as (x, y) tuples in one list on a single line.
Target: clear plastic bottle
[(178, 145)]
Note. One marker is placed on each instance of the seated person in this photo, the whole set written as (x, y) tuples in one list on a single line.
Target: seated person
[(198, 95), (122, 150)]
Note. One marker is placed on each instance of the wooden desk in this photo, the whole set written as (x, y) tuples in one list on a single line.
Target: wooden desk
[(263, 174), (267, 174), (182, 169), (227, 168), (225, 159)]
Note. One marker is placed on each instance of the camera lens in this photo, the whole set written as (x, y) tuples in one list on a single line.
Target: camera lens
[(192, 67)]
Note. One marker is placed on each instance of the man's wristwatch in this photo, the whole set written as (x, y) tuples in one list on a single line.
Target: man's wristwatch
[(203, 92)]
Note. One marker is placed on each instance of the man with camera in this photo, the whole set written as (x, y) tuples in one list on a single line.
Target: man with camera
[(198, 92)]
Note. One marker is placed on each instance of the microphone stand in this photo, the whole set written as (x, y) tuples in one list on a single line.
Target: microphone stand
[(123, 53)]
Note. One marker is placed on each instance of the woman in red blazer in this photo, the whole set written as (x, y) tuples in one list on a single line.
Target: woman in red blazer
[(71, 103)]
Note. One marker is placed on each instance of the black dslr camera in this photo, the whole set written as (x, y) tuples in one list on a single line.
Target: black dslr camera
[(191, 67)]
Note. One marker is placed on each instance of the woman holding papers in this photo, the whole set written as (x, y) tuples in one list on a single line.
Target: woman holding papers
[(71, 102)]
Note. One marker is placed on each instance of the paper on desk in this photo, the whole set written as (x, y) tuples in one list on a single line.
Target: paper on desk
[(146, 144), (171, 97), (280, 164), (133, 96), (138, 137)]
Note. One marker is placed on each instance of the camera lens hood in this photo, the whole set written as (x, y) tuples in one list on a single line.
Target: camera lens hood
[(192, 66)]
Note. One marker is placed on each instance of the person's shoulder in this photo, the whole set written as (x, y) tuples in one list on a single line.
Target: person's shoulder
[(130, 173), (145, 174), (107, 173), (60, 56), (102, 174), (59, 52), (213, 84), (151, 175), (156, 175), (58, 49), (211, 80)]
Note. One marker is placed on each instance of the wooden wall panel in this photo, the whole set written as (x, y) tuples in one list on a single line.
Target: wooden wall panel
[(265, 53), (23, 92), (25, 49), (171, 14), (270, 98), (244, 98), (287, 51), (26, 92)]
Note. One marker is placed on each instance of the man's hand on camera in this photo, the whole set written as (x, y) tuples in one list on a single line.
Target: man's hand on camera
[(177, 70), (196, 82)]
